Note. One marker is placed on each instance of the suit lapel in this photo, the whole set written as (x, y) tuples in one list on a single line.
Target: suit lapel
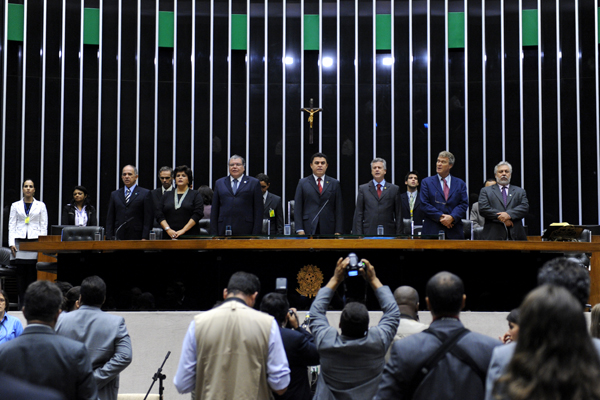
[(242, 184), (498, 192), (511, 192), (313, 183), (384, 191), (121, 195), (453, 186), (269, 201), (373, 190)]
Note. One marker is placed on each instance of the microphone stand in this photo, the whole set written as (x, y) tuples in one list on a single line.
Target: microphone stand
[(313, 227), (122, 225), (158, 375)]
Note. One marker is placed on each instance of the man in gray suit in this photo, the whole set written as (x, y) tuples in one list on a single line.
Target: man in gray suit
[(351, 363), (104, 335), (459, 372), (561, 271), (377, 204), (503, 206), (40, 356)]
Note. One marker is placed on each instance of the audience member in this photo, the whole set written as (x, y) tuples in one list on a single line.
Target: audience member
[(10, 327), (79, 211), (71, 300), (351, 363), (512, 335), (233, 351), (478, 219), (407, 299), (298, 343), (12, 388), (273, 209), (104, 335), (446, 361), (64, 289), (554, 357), (595, 322), (42, 357)]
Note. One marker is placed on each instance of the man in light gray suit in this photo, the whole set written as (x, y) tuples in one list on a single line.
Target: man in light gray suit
[(377, 204), (503, 206), (351, 363), (104, 335)]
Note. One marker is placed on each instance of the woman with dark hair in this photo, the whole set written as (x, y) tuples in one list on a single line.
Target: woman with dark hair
[(80, 211), (554, 357), (512, 335), (178, 213), (10, 327), (71, 300), (207, 194)]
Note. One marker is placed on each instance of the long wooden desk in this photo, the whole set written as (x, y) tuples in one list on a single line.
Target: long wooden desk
[(50, 245)]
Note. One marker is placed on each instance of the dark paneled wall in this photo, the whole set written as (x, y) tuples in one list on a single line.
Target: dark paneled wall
[(198, 102)]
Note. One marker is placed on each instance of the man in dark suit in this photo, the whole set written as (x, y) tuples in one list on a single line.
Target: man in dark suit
[(165, 176), (377, 204), (503, 206), (42, 357), (460, 373), (130, 202), (318, 202), (298, 343), (444, 200), (273, 209), (104, 335), (410, 203), (237, 202)]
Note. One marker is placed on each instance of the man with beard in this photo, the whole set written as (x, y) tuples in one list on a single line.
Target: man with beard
[(503, 206)]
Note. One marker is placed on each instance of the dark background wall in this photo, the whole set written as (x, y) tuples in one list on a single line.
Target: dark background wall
[(535, 106)]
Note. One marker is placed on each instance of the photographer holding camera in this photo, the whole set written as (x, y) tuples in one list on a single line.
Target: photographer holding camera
[(352, 363)]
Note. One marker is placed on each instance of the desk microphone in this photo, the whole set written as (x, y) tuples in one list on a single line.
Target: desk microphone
[(312, 226), (122, 225)]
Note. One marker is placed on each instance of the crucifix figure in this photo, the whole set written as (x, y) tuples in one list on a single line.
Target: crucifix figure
[(311, 111)]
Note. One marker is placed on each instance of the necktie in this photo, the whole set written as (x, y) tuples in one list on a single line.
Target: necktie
[(412, 202), (504, 195), (446, 189), (127, 195), (235, 185), (379, 190), (320, 186)]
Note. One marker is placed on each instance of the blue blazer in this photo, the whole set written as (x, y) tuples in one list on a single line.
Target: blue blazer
[(434, 204), (308, 202), (242, 210)]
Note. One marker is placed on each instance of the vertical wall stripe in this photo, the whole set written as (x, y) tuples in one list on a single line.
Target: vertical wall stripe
[(540, 115), (193, 88), (62, 107), (283, 104), (410, 82), (174, 163), (302, 42), (338, 83), (466, 90), (137, 84), (503, 78), (374, 89), (446, 75), (23, 90), (428, 88), (483, 84), (558, 109), (578, 94), (597, 100), (4, 76), (156, 42), (521, 113), (266, 90), (393, 90), (248, 52), (356, 97), (119, 77), (211, 90), (98, 157), (229, 82), (80, 146), (321, 80), (43, 115)]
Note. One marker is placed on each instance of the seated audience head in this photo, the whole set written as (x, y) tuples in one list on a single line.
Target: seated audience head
[(243, 285), (595, 321), (93, 291), (354, 321), (4, 304), (72, 302), (445, 295), (182, 172), (568, 273), (42, 303), (512, 335), (277, 305), (207, 194), (407, 299), (554, 357)]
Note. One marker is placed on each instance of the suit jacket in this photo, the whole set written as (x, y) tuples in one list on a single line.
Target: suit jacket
[(351, 368), (273, 202), (418, 215), (301, 352), (475, 216), (491, 203), (107, 340), (140, 207), (308, 202), (156, 196), (243, 210), (450, 379), (38, 221), (42, 357), (16, 389), (433, 204), (500, 359), (68, 215), (371, 210)]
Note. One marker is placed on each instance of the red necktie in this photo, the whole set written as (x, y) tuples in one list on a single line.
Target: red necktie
[(319, 184), (379, 190), (446, 190)]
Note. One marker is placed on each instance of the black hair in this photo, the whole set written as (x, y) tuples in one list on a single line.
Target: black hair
[(86, 201), (445, 292), (93, 291), (275, 304), (354, 320), (513, 316), (71, 298), (412, 173), (318, 155), (264, 178), (187, 171), (42, 301), (243, 282), (568, 273), (207, 194)]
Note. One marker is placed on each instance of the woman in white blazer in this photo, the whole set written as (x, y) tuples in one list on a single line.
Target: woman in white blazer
[(28, 218)]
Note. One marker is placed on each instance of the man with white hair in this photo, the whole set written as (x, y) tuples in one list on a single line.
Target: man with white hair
[(503, 206)]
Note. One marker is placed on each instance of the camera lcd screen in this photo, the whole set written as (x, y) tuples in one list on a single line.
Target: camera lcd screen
[(353, 273)]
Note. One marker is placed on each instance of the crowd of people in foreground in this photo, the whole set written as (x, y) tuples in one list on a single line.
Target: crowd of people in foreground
[(76, 351)]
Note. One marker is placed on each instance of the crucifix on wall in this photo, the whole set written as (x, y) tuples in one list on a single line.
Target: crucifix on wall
[(311, 111)]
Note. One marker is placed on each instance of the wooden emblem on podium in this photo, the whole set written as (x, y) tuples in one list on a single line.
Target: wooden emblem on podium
[(310, 279)]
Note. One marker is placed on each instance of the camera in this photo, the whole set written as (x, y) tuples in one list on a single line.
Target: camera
[(354, 265)]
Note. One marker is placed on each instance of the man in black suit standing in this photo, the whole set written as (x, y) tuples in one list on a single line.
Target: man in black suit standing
[(318, 202), (273, 209), (410, 202), (165, 176), (42, 357), (237, 202), (130, 208), (377, 204)]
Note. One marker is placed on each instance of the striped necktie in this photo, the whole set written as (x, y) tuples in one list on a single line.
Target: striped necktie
[(127, 195)]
